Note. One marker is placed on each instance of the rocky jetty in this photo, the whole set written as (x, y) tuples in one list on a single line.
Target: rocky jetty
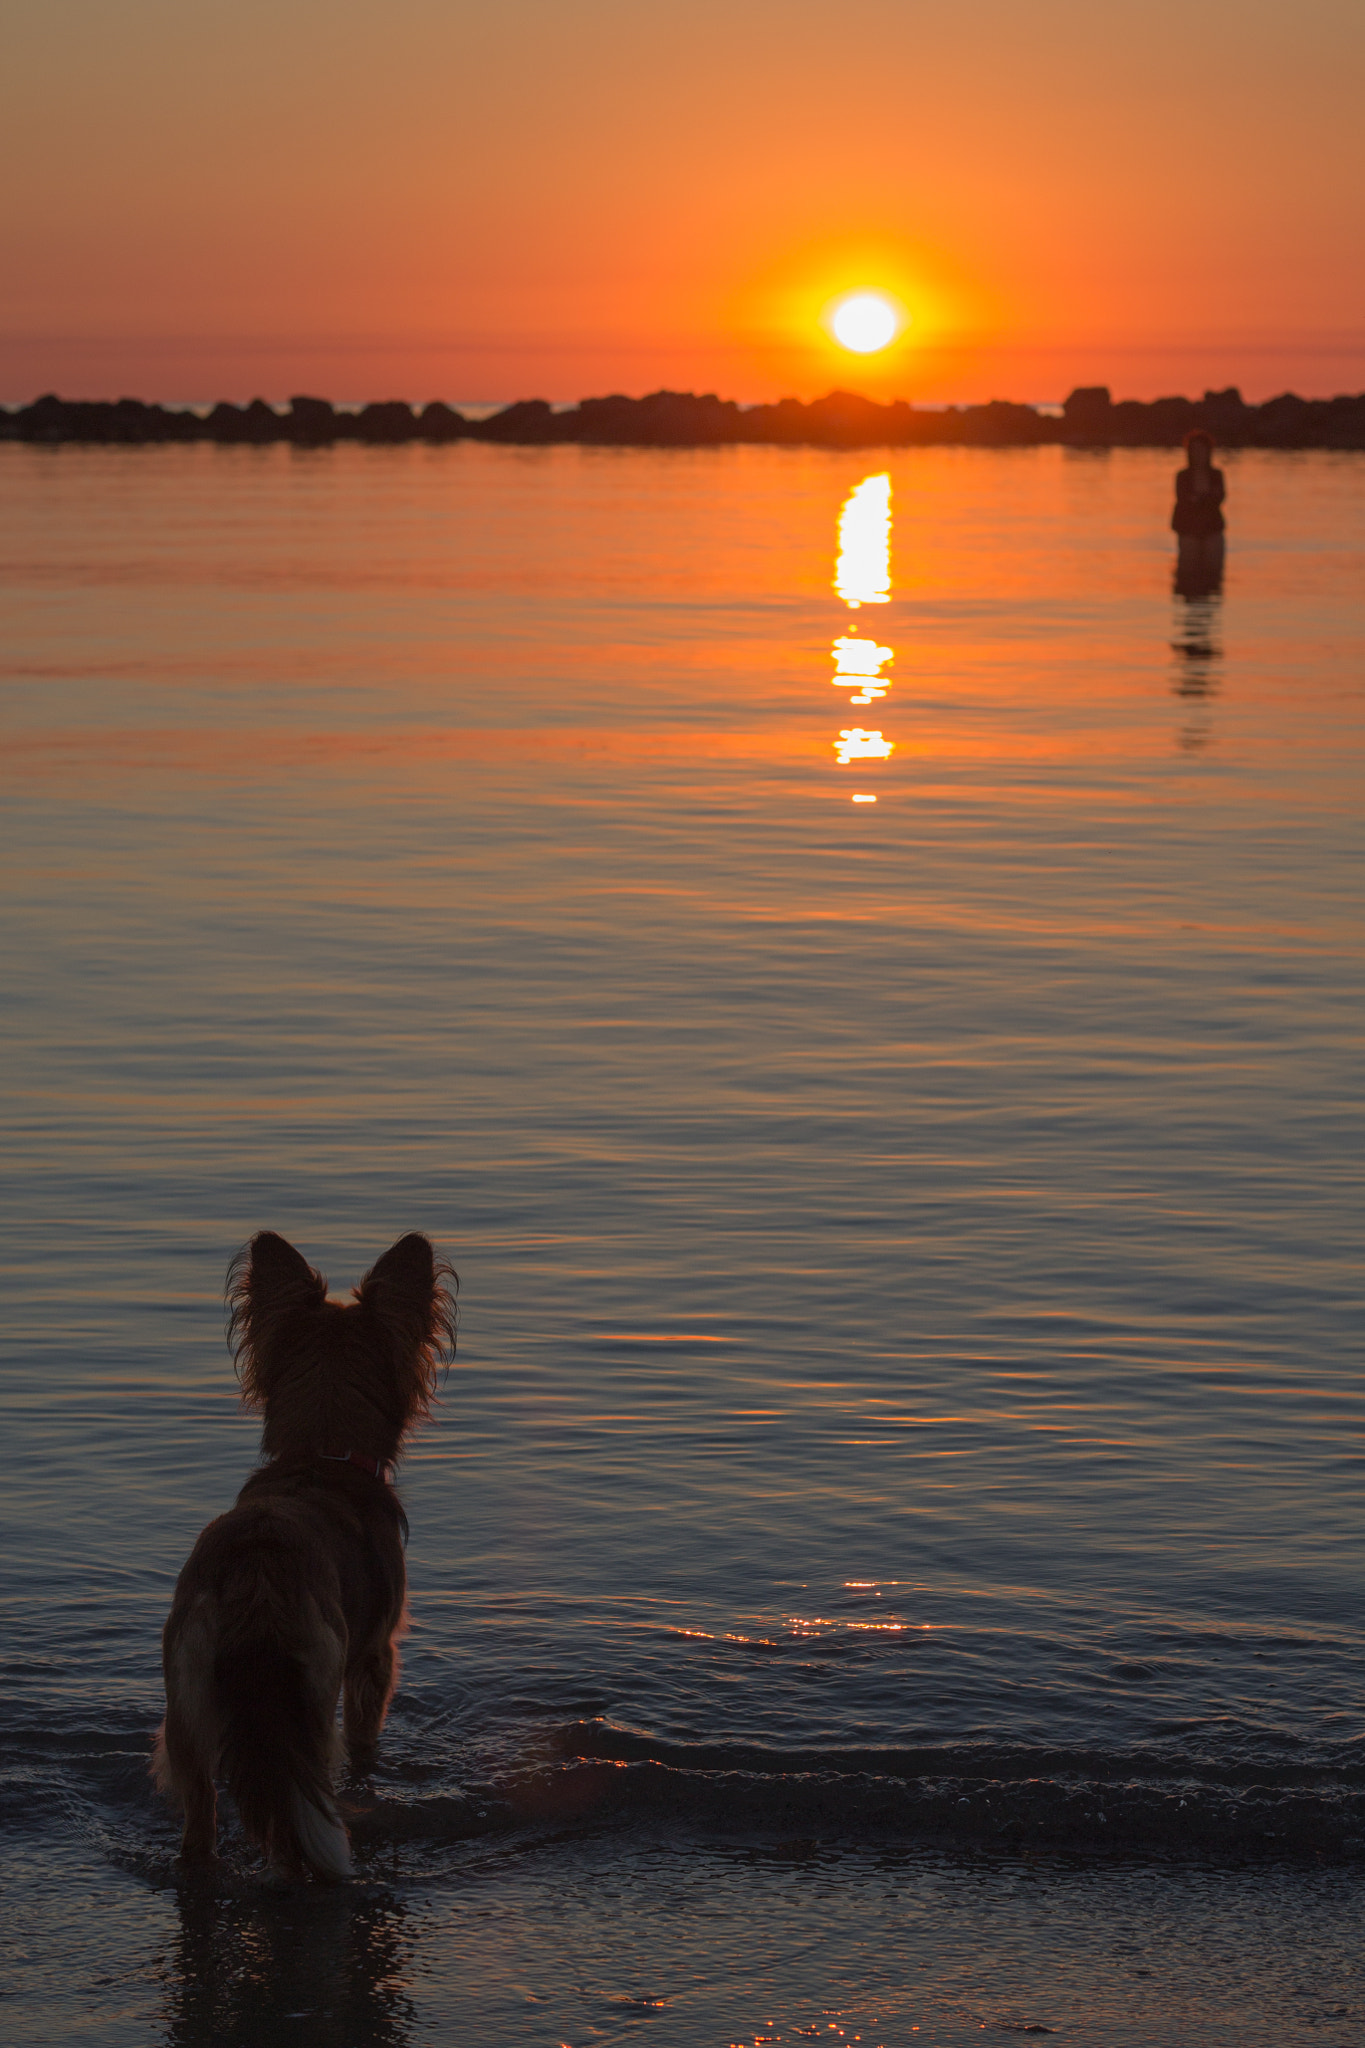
[(681, 419)]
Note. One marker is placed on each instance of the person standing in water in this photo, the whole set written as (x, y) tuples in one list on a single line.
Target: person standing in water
[(1198, 519)]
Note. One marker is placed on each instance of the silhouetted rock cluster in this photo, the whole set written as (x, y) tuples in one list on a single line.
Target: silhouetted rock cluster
[(1090, 416), (680, 419)]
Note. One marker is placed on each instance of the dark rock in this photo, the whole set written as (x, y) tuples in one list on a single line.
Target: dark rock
[(441, 422), (846, 420), (664, 419), (1002, 424), (531, 419), (262, 422), (1172, 417), (390, 421), (1226, 415), (784, 422), (226, 422), (1088, 408), (49, 418), (66, 419), (1284, 422), (313, 419)]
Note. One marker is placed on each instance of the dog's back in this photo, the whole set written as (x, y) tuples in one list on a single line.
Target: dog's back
[(293, 1600)]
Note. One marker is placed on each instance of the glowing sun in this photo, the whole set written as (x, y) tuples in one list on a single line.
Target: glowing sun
[(865, 322)]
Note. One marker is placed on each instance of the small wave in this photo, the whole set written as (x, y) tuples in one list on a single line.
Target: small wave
[(992, 1760), (1015, 1800), (1172, 1801)]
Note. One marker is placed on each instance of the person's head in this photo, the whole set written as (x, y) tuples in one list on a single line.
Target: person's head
[(1199, 449)]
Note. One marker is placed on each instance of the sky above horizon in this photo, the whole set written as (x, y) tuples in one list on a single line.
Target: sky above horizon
[(562, 197)]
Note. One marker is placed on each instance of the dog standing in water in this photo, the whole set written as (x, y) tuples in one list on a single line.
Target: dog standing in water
[(295, 1598)]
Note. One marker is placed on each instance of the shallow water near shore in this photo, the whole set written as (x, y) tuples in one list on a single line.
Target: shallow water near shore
[(888, 1554)]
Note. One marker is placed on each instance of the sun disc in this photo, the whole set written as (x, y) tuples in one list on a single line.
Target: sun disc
[(865, 322)]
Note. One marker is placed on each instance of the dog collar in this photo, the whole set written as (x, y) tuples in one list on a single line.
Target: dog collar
[(357, 1458)]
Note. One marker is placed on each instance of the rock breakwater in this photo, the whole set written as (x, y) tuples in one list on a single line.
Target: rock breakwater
[(682, 419)]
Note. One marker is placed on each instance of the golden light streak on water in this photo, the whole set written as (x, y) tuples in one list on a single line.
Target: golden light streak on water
[(862, 575), (863, 572), (856, 744)]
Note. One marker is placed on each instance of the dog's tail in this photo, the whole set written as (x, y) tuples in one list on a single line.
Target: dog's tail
[(280, 1746)]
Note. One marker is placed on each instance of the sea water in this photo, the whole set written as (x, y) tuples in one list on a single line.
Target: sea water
[(864, 984)]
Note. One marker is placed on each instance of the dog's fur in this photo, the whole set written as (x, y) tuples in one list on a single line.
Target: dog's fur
[(295, 1598)]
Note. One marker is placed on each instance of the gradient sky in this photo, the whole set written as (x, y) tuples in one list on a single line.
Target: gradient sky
[(204, 198)]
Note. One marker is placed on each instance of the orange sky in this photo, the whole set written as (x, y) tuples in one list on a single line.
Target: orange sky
[(205, 198)]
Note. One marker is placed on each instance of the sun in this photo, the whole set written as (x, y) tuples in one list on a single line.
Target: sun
[(865, 322)]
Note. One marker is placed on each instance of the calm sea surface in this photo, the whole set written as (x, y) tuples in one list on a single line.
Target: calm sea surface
[(887, 1565)]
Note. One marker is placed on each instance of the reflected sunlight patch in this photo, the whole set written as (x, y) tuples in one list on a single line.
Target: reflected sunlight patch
[(859, 658), (858, 667), (863, 572), (862, 575), (853, 744)]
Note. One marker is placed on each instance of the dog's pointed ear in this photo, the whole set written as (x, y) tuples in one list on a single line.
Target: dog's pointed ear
[(401, 1291), (407, 1267), (279, 1274), (268, 1284), (405, 1292)]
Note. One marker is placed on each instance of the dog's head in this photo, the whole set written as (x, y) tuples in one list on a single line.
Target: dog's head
[(350, 1376)]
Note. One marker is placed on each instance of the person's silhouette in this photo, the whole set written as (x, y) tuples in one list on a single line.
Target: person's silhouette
[(1198, 519)]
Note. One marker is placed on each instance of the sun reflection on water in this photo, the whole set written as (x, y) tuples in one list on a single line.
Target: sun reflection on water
[(854, 744), (862, 575), (858, 666)]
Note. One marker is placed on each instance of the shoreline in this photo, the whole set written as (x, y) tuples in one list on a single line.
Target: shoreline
[(672, 419)]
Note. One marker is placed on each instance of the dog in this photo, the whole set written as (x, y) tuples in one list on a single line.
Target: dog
[(295, 1598)]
